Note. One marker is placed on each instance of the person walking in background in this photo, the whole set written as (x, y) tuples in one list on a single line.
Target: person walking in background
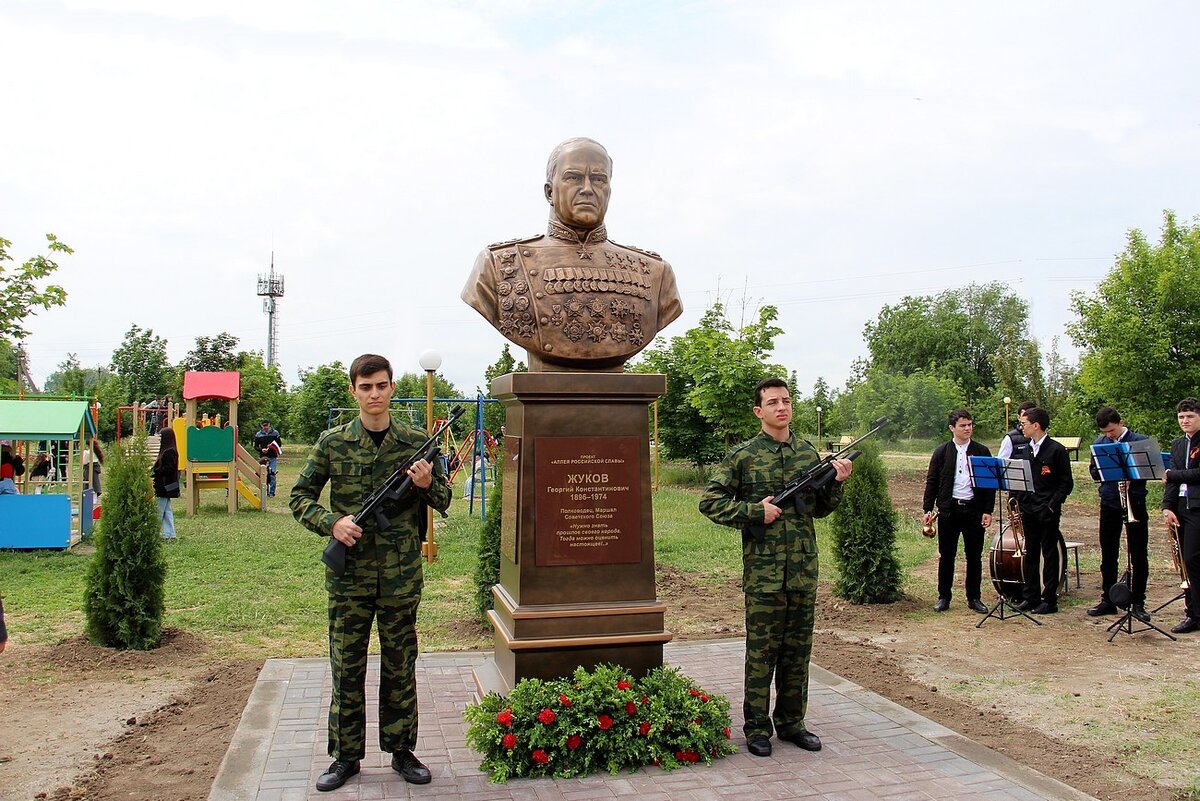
[(166, 481), (779, 574), (93, 461), (961, 509), (269, 445)]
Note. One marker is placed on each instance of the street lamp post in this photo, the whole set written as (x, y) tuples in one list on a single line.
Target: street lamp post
[(430, 361), (1007, 401), (818, 426)]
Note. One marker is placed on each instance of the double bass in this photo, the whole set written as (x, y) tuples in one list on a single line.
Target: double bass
[(1007, 556)]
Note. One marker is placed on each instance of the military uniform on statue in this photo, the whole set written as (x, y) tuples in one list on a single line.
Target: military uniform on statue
[(1181, 504), (1041, 511), (1121, 509), (962, 510)]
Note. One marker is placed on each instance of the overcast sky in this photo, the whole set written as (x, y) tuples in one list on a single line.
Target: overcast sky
[(828, 158)]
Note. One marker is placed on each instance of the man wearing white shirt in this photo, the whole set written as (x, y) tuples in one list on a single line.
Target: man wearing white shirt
[(962, 509)]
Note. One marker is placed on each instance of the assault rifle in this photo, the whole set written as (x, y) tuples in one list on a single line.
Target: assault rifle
[(396, 487), (814, 478)]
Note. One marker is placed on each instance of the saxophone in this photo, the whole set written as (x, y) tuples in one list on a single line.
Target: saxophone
[(1177, 555)]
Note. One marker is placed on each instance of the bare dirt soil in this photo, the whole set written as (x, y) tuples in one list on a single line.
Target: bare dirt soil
[(88, 723)]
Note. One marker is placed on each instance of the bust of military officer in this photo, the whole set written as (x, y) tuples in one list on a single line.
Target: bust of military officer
[(573, 298)]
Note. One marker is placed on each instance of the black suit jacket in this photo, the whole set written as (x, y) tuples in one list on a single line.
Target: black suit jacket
[(939, 481), (1177, 474), (1052, 479)]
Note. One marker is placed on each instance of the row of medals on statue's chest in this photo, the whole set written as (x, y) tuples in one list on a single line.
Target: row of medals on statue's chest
[(579, 316)]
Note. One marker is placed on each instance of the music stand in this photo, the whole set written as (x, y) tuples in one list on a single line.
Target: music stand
[(1129, 461), (994, 473)]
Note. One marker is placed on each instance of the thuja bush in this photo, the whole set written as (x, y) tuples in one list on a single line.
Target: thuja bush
[(487, 564), (864, 535), (598, 720), (123, 595)]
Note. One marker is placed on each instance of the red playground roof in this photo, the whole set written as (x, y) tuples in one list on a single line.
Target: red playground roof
[(202, 386)]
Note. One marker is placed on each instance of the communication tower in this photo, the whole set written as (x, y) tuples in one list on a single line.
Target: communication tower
[(270, 287)]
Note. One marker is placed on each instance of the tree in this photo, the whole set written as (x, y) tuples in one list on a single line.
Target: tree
[(141, 363), (916, 404), (1139, 330), (487, 560), (954, 334), (71, 378), (864, 535), (213, 354), (264, 396), (494, 413), (320, 389), (683, 433), (123, 596), (19, 293)]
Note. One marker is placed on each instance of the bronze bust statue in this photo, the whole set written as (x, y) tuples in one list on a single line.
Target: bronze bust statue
[(573, 298)]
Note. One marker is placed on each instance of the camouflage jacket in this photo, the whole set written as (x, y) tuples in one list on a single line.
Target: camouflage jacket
[(382, 563), (786, 558)]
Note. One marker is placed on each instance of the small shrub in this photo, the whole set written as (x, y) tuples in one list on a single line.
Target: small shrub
[(598, 720), (123, 594), (864, 535)]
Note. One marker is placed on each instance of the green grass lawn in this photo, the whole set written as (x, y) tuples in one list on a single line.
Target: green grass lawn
[(251, 583)]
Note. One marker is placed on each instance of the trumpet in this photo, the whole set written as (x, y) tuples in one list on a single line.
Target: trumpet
[(927, 528), (1016, 522), (1177, 555), (1123, 492)]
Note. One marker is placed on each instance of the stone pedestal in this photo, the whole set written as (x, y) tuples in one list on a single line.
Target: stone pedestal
[(577, 538)]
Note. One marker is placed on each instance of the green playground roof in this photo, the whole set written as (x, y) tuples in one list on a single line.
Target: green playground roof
[(43, 419)]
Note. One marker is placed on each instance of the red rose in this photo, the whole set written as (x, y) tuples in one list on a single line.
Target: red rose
[(726, 732), (547, 716), (645, 700), (704, 698), (540, 757), (505, 718), (644, 729), (698, 721), (605, 722), (509, 741), (564, 700), (631, 709), (574, 741), (694, 693), (623, 685)]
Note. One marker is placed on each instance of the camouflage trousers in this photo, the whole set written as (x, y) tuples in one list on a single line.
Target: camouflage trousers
[(350, 620), (779, 628)]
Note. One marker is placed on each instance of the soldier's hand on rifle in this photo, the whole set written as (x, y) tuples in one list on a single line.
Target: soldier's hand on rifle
[(771, 512), (842, 468), (421, 473), (346, 532)]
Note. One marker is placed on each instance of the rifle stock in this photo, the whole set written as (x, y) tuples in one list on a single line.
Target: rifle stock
[(397, 485)]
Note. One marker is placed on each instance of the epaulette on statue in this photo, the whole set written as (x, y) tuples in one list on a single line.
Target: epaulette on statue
[(517, 241), (649, 253)]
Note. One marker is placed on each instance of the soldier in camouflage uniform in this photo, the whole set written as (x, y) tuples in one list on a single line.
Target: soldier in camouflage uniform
[(779, 569), (383, 577)]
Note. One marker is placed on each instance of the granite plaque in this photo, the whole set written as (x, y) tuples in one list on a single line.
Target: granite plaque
[(588, 500)]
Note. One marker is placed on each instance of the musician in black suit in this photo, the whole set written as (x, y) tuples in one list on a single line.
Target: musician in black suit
[(962, 509), (1181, 504), (1014, 438), (1041, 511), (1121, 512)]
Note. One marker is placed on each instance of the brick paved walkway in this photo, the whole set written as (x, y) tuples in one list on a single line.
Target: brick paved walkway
[(873, 748)]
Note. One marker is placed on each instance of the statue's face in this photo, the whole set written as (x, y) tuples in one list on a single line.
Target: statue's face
[(579, 190)]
